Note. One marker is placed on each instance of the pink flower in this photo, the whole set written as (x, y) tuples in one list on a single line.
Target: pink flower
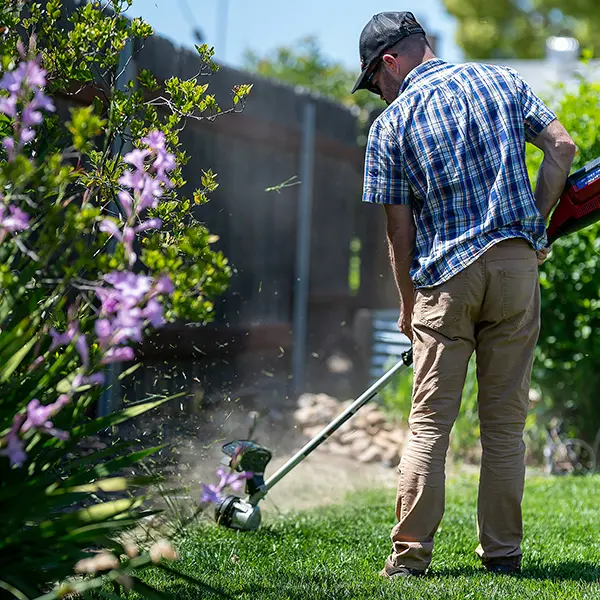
[(126, 202)]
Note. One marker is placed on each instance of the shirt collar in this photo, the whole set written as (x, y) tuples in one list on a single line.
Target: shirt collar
[(420, 71)]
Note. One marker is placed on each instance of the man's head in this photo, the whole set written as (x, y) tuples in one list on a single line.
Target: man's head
[(391, 45)]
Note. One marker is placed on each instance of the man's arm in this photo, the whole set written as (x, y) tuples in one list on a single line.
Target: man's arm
[(559, 151), (401, 243)]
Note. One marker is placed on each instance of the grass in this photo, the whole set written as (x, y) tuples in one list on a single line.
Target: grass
[(336, 552)]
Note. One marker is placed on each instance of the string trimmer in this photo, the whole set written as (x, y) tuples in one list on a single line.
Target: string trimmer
[(249, 456)]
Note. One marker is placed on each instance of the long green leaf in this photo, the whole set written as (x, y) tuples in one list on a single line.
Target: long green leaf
[(16, 359), (114, 419), (109, 468)]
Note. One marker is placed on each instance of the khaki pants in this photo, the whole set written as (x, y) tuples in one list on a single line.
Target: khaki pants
[(493, 308)]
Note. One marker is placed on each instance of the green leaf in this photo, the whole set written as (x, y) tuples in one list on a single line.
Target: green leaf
[(15, 360)]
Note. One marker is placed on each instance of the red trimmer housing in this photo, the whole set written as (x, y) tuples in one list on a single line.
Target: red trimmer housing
[(579, 205)]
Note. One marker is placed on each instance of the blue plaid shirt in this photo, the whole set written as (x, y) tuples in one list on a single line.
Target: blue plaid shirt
[(452, 146)]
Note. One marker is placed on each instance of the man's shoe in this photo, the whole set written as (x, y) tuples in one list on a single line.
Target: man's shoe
[(402, 572), (503, 566)]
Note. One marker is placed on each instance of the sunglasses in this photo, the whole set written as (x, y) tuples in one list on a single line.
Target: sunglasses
[(369, 85)]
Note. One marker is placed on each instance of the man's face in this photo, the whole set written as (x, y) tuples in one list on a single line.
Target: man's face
[(382, 82)]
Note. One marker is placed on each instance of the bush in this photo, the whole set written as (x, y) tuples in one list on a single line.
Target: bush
[(97, 247), (569, 346)]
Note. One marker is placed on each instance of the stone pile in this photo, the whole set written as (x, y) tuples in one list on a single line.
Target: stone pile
[(367, 437)]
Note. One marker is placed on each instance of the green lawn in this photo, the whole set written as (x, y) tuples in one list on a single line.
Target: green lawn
[(336, 552)]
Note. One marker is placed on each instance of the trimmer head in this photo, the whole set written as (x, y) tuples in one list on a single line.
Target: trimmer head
[(236, 513), (247, 456)]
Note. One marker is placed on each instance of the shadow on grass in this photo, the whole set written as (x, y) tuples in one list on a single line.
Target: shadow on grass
[(568, 570)]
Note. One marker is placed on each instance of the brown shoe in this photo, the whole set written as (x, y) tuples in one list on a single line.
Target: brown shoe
[(401, 572)]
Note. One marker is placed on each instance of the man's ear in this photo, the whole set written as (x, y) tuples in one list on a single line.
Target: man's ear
[(391, 62)]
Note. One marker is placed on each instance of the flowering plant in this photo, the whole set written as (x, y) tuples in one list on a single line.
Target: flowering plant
[(97, 249)]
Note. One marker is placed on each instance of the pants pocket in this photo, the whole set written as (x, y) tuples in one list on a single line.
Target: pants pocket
[(442, 308), (520, 291)]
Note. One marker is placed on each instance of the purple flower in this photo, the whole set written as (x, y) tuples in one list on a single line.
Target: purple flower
[(115, 355), (155, 139), (231, 479), (9, 145), (126, 202), (38, 417), (64, 339), (154, 313), (149, 224), (8, 106), (211, 493), (15, 450), (27, 135), (136, 180), (136, 158), (29, 118), (94, 379), (109, 298), (103, 330), (133, 287), (127, 326), (126, 237), (164, 285), (41, 101), (17, 220), (149, 194), (214, 493)]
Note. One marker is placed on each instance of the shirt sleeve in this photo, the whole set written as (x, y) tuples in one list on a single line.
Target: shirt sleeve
[(385, 177), (536, 114)]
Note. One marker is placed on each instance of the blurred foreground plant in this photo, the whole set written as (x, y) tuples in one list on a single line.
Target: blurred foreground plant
[(97, 248)]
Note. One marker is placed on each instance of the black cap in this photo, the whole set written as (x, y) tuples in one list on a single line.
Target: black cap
[(380, 33)]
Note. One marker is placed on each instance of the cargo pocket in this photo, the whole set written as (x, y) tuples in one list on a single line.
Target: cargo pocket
[(442, 308), (520, 289)]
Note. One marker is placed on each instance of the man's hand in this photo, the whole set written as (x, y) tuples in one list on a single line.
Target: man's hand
[(405, 321), (542, 255)]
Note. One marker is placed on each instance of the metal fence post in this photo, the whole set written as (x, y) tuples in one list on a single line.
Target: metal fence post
[(302, 280)]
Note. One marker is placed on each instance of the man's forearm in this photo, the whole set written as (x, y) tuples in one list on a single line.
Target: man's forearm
[(550, 184), (559, 151), (401, 249)]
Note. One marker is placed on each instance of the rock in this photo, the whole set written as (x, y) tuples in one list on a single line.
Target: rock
[(312, 431), (351, 436), (336, 448), (398, 436), (360, 445), (375, 418), (307, 401), (306, 416), (370, 454), (373, 429)]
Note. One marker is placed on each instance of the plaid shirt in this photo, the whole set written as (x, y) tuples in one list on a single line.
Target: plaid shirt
[(452, 146)]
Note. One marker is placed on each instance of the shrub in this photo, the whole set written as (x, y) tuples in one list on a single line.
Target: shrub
[(97, 247)]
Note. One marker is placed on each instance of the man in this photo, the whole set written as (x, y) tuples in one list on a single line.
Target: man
[(466, 234)]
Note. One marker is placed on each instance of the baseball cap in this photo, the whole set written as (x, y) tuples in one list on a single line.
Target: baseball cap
[(380, 33)]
